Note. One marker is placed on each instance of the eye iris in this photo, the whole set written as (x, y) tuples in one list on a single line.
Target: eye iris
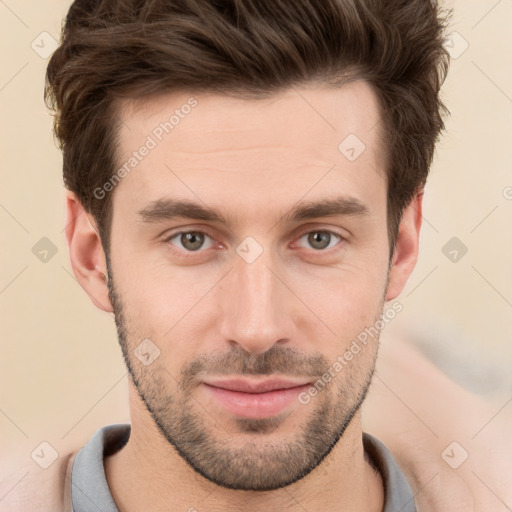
[(192, 241), (319, 239)]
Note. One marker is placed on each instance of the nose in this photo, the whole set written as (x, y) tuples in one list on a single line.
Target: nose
[(256, 306)]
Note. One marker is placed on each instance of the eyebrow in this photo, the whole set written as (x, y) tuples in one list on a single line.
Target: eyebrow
[(168, 209)]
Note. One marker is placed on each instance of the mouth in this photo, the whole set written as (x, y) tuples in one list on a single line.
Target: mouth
[(256, 398)]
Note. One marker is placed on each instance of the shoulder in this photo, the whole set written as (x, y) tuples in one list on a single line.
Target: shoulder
[(451, 443), (26, 487)]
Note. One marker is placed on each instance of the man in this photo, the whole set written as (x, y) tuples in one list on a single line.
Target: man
[(245, 184)]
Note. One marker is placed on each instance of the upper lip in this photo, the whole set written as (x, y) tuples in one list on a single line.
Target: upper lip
[(256, 386)]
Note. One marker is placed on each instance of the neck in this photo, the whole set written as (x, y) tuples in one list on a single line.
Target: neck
[(148, 473)]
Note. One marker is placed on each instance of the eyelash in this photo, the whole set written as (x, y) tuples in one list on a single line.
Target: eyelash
[(193, 253)]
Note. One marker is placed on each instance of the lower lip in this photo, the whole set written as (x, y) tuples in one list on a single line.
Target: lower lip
[(256, 405)]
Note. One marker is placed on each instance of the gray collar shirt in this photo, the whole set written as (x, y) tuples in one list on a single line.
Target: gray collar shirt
[(90, 491)]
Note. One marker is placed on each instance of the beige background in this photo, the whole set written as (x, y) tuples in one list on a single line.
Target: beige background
[(61, 372)]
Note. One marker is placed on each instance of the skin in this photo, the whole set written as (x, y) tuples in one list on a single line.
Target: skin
[(439, 412), (292, 311)]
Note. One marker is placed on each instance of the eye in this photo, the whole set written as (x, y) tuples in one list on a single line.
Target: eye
[(190, 241), (320, 240)]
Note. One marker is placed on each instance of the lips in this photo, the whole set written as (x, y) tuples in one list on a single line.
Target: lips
[(257, 399), (256, 386)]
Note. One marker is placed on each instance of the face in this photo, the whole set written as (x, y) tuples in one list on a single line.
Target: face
[(247, 245)]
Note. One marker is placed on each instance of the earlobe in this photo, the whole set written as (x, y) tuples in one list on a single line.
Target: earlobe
[(406, 249), (86, 252)]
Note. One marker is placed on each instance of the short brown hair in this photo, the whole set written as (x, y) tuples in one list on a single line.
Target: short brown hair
[(113, 49)]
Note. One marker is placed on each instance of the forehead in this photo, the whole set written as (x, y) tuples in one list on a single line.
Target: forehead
[(322, 111), (218, 146)]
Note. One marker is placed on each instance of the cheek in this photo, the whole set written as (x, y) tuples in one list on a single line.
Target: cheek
[(345, 301), (169, 305), (150, 284)]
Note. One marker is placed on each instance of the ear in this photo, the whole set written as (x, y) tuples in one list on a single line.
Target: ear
[(86, 252), (405, 254)]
